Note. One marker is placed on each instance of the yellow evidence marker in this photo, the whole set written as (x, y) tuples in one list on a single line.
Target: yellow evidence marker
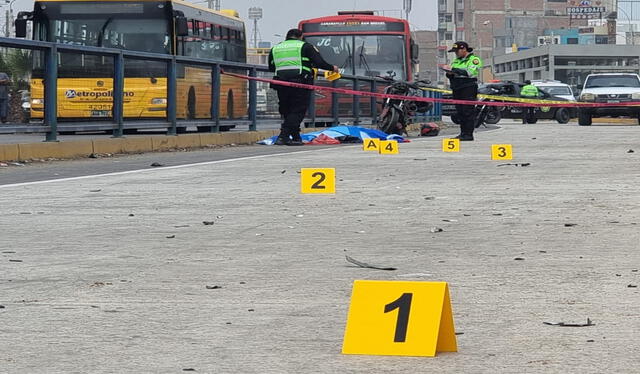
[(371, 144), (397, 318), (450, 145), (501, 152), (318, 181), (389, 147)]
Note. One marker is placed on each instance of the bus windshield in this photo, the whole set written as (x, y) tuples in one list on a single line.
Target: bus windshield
[(364, 55), (142, 26), (132, 26)]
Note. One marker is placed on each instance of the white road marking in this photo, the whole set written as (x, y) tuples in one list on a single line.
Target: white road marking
[(161, 168)]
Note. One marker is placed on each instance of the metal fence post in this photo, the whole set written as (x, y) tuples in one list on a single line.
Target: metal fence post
[(374, 103), (253, 100), (51, 94), (172, 96), (312, 107), (215, 97), (334, 105), (117, 110), (356, 102)]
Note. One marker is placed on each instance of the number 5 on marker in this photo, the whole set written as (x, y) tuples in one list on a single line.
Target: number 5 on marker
[(318, 181), (450, 145)]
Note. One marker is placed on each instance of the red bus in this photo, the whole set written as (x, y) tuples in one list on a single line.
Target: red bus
[(362, 44)]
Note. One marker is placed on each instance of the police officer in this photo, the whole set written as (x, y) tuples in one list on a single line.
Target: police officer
[(293, 61), (528, 91), (463, 75)]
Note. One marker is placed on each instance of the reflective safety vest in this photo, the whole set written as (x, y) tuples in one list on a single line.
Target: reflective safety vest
[(529, 91), (471, 64), (287, 57)]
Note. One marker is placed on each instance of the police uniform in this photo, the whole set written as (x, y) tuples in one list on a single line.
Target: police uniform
[(464, 84), (529, 91), (293, 61)]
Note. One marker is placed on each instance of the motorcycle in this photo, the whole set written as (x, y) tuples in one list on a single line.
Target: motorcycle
[(396, 114)]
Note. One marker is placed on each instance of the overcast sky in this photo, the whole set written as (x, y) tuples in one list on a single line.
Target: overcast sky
[(281, 15)]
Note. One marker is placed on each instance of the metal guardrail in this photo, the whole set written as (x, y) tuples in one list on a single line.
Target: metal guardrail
[(118, 125)]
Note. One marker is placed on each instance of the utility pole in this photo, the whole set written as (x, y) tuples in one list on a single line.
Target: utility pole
[(408, 4)]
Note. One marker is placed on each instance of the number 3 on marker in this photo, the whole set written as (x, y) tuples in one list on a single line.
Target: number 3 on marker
[(502, 152), (318, 181), (403, 304)]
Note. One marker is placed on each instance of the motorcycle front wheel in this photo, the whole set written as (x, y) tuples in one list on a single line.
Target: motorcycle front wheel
[(389, 122)]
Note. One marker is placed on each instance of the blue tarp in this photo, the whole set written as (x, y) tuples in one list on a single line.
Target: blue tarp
[(346, 134)]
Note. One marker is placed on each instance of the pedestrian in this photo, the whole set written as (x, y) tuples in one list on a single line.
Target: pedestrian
[(463, 76), (293, 60), (529, 91), (5, 82)]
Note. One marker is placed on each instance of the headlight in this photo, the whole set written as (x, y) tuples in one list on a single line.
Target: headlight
[(37, 101), (635, 96), (159, 101), (588, 97)]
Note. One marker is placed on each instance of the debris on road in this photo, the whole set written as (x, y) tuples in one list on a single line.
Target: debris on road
[(524, 165), (94, 191), (171, 237), (1, 306), (563, 324), (429, 198), (282, 172), (632, 286), (213, 287), (570, 224), (208, 223), (15, 260), (436, 230), (157, 165), (519, 259), (631, 151), (131, 215), (367, 266)]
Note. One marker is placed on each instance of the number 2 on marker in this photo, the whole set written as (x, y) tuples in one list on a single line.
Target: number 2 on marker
[(403, 304), (318, 181), (318, 184)]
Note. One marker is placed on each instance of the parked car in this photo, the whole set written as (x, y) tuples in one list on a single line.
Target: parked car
[(609, 88), (512, 89)]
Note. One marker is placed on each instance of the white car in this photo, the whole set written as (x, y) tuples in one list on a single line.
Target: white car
[(612, 88), (555, 88)]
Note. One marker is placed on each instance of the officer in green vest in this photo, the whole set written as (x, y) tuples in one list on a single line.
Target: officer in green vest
[(463, 77), (529, 91), (293, 61)]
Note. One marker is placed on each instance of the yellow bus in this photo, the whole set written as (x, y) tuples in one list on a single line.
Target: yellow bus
[(85, 84)]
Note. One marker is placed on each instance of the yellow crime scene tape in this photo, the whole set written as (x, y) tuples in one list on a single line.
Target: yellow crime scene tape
[(501, 98)]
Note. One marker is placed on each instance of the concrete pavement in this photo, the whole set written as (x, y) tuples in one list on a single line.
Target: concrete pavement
[(92, 281)]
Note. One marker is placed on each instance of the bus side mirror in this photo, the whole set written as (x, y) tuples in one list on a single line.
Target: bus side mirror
[(21, 28), (21, 24), (182, 29), (415, 51)]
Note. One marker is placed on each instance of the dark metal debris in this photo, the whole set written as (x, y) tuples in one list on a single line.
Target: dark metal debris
[(563, 324), (570, 224), (367, 266), (519, 259), (157, 165), (213, 287), (524, 165), (631, 151), (171, 237), (632, 286), (208, 223)]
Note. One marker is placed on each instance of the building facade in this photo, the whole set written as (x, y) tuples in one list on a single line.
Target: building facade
[(567, 63), (427, 41), (494, 27)]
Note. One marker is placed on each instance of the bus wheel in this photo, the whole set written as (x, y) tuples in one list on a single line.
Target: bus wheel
[(230, 105), (191, 104)]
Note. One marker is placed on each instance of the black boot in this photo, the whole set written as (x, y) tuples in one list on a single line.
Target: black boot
[(465, 137), (296, 140)]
